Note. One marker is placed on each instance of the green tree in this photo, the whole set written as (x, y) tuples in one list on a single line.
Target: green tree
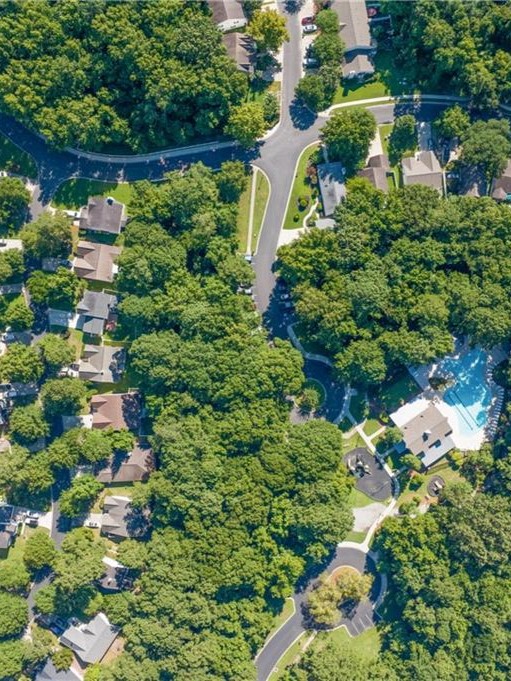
[(13, 615), (18, 315), (78, 499), (97, 445), (21, 364), (121, 440), (39, 551), (403, 137), (452, 123), (362, 362), (347, 135), (14, 198), (27, 424), (246, 123), (62, 396), (13, 576), (56, 352), (12, 265), (311, 90), (231, 180), (61, 290), (327, 20), (47, 237), (487, 144), (271, 108), (268, 29), (328, 48), (133, 554), (412, 461), (62, 658), (323, 603)]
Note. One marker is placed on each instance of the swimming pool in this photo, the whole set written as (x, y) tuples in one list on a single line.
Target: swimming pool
[(470, 395)]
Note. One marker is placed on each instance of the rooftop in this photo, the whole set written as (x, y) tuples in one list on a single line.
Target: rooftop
[(423, 168), (49, 673), (240, 47), (90, 641), (227, 12), (331, 184), (96, 262), (102, 363), (103, 215), (357, 65), (121, 520), (116, 410), (354, 23), (501, 190), (134, 466)]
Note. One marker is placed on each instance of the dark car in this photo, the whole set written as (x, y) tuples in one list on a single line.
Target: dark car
[(307, 20)]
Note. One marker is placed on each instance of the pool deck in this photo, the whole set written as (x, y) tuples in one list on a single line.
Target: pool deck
[(464, 441)]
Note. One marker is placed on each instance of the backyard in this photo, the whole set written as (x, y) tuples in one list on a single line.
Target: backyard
[(72, 194), (301, 187)]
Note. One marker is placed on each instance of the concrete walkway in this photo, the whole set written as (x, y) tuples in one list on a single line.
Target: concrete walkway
[(248, 249)]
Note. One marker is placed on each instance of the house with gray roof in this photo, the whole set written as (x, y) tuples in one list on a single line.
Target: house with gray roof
[(102, 363), (103, 215), (356, 36), (94, 309), (423, 168), (90, 642), (426, 434), (8, 526), (501, 189), (116, 577), (331, 185), (228, 15), (49, 673), (96, 262), (121, 520)]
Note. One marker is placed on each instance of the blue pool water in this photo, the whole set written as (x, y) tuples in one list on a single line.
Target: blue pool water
[(470, 395)]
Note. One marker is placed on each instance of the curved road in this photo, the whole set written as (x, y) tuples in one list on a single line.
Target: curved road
[(361, 618)]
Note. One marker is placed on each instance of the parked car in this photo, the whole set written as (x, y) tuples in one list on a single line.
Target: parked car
[(310, 28), (306, 21), (32, 522), (310, 63), (92, 524), (372, 11), (285, 296)]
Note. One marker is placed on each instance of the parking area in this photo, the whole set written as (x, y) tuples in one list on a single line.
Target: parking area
[(306, 16), (371, 477)]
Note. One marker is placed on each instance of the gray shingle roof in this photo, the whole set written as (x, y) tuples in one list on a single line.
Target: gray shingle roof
[(102, 363), (95, 262), (90, 641), (120, 520), (354, 23), (49, 673), (423, 168), (94, 304), (132, 467), (103, 215), (331, 184)]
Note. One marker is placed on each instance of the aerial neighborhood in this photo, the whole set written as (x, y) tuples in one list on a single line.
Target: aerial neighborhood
[(255, 327)]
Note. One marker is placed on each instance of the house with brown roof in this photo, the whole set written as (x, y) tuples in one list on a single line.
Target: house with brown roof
[(423, 168), (103, 215), (96, 262), (377, 172), (241, 48), (501, 189), (116, 410), (356, 36), (127, 467), (228, 15)]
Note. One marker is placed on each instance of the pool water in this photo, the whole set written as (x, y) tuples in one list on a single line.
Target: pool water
[(470, 395)]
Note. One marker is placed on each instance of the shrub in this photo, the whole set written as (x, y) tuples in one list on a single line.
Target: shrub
[(296, 217), (303, 202)]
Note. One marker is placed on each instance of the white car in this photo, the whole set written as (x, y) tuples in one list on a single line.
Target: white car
[(310, 28), (310, 62)]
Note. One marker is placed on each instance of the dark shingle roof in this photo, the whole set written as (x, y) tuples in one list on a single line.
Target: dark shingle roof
[(103, 215)]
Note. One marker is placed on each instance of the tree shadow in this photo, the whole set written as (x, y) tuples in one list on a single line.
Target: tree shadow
[(301, 116)]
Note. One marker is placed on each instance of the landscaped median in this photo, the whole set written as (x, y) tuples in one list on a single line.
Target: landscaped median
[(303, 190), (246, 209)]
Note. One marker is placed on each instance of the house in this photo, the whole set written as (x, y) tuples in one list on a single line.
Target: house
[(103, 215), (8, 526), (134, 466), (102, 363), (501, 189), (115, 578), (22, 337), (96, 262), (116, 410), (331, 185), (53, 264), (120, 520), (423, 168), (426, 433), (49, 673), (94, 309), (240, 47), (90, 642), (377, 172), (356, 36), (228, 15), (8, 289)]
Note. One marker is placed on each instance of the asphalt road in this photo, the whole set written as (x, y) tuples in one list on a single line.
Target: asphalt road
[(361, 618)]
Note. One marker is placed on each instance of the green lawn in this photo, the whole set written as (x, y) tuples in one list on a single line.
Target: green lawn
[(115, 490), (346, 425), (371, 426), (357, 537), (261, 199), (15, 553), (291, 656), (385, 131), (15, 160), (76, 341), (396, 391), (244, 216), (72, 194), (443, 468), (358, 499), (353, 442), (385, 82), (367, 644), (127, 381), (260, 87), (300, 187)]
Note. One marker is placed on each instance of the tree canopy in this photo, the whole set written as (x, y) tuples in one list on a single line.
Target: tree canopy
[(347, 135), (138, 74)]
